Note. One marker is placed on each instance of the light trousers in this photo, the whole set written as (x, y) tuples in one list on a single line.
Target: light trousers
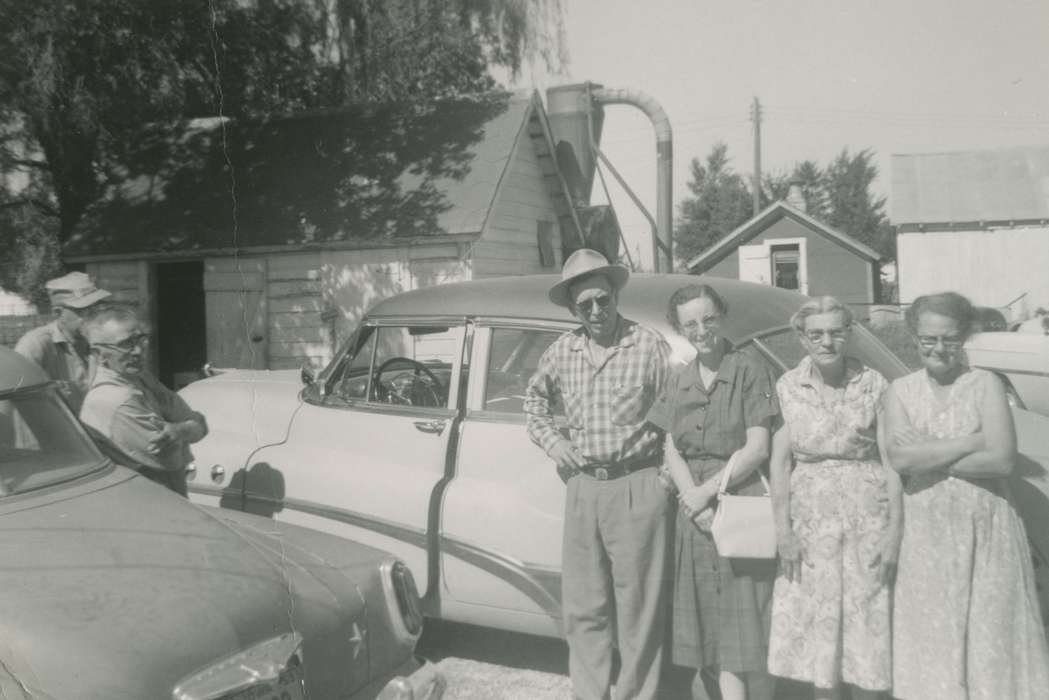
[(615, 558)]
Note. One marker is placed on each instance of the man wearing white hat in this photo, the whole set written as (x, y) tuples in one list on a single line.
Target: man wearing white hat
[(604, 377), (58, 347)]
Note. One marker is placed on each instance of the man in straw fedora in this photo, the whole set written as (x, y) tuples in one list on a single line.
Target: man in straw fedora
[(59, 347), (604, 377)]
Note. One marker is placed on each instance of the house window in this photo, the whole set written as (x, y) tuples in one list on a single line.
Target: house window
[(545, 240), (786, 266)]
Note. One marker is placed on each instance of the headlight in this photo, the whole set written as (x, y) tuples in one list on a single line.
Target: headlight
[(402, 599), (273, 666)]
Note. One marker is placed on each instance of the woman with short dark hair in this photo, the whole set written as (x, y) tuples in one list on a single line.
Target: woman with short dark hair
[(716, 410), (967, 624)]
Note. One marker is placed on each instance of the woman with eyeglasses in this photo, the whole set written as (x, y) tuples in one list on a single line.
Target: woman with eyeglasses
[(719, 406), (838, 516), (967, 623)]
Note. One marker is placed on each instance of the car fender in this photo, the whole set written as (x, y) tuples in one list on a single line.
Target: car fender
[(1030, 489), (245, 411)]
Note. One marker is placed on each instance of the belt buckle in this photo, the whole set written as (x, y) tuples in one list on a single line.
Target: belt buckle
[(601, 474)]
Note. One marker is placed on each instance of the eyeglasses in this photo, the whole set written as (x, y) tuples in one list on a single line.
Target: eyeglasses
[(129, 344), (597, 303), (707, 321), (836, 334), (950, 342)]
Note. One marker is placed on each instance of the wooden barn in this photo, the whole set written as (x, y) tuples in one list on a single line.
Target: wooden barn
[(976, 222), (782, 246), (261, 244)]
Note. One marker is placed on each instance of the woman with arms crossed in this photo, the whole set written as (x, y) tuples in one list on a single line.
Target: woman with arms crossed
[(967, 624)]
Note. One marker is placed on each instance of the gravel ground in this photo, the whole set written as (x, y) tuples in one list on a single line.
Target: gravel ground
[(484, 664)]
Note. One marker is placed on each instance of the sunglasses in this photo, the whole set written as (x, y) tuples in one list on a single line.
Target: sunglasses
[(598, 303)]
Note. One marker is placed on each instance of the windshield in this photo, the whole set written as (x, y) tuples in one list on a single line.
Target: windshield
[(41, 444)]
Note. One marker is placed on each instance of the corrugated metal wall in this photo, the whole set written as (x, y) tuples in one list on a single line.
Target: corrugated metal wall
[(991, 267)]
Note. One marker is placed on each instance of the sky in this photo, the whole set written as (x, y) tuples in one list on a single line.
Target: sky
[(894, 76)]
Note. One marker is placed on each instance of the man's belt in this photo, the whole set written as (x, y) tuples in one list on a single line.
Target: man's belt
[(606, 471)]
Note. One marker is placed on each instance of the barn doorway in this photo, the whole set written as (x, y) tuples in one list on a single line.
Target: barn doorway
[(181, 342)]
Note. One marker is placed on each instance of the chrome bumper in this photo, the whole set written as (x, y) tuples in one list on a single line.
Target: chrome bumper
[(425, 683)]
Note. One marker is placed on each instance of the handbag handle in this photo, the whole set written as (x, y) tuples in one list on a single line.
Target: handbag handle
[(726, 476)]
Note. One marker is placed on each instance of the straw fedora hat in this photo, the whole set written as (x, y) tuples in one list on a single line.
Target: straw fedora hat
[(582, 263)]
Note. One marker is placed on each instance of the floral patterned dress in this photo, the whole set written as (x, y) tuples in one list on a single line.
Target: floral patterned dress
[(832, 625), (967, 624)]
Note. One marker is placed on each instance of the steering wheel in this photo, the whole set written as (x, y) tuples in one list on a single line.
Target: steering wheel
[(405, 392)]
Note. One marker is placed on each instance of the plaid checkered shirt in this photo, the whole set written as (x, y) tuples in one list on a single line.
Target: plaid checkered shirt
[(605, 406)]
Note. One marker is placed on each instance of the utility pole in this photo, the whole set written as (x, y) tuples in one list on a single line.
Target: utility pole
[(755, 116)]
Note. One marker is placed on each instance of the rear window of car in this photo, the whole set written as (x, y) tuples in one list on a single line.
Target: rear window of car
[(784, 349)]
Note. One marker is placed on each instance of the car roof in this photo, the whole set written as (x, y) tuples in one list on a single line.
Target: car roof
[(753, 308), (17, 372)]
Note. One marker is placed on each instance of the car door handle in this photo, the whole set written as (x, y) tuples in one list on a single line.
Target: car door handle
[(429, 426)]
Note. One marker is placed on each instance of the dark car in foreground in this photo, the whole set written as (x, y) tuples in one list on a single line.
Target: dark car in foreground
[(413, 438), (114, 588)]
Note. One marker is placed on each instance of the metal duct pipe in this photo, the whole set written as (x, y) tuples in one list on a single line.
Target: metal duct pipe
[(662, 247), (572, 121)]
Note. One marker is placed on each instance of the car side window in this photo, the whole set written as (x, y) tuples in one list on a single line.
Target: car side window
[(512, 360), (400, 366), (786, 348)]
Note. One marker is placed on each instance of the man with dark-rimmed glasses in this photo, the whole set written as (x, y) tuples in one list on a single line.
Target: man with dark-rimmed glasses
[(604, 376), (131, 409)]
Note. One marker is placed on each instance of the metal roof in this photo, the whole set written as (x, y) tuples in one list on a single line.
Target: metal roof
[(17, 372), (765, 218), (378, 172), (1009, 184), (753, 308)]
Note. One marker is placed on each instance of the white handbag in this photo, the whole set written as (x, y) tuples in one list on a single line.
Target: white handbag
[(744, 526)]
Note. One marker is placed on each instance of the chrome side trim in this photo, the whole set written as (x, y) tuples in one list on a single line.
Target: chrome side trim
[(1007, 372), (540, 584), (409, 535)]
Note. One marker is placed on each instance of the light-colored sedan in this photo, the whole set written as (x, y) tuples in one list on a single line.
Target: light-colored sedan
[(1021, 360), (114, 588), (413, 439)]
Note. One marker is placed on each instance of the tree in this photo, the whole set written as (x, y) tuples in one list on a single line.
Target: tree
[(840, 196), (79, 78), (852, 208), (809, 177), (720, 201)]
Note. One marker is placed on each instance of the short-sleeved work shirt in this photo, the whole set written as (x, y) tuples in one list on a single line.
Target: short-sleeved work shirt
[(712, 422), (63, 359), (605, 405), (130, 412)]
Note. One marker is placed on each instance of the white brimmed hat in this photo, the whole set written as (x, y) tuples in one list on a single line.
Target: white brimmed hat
[(582, 263), (75, 290)]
